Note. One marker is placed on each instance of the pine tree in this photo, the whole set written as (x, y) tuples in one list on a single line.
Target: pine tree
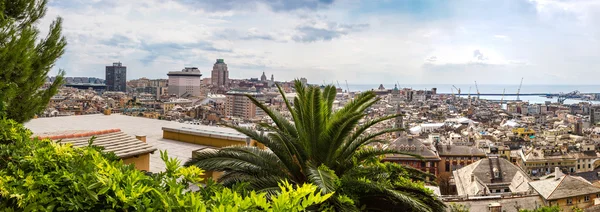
[(25, 59)]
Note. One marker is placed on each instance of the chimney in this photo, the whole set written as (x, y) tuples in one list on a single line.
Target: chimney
[(557, 173), (141, 138)]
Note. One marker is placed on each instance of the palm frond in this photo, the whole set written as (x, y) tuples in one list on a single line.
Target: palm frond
[(323, 177)]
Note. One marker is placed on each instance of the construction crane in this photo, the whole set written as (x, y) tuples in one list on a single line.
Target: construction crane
[(457, 89), (519, 90), (477, 87)]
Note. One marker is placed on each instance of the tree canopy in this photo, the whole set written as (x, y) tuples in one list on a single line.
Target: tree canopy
[(26, 58)]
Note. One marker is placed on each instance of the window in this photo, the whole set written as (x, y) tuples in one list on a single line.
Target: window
[(569, 201), (506, 190), (586, 198), (597, 195)]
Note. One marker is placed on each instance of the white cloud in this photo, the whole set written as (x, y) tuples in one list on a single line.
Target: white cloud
[(336, 39)]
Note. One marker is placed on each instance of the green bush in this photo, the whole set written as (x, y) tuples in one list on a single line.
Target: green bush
[(42, 175), (11, 131)]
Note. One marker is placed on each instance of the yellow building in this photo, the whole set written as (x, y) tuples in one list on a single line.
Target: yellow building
[(524, 133), (566, 191)]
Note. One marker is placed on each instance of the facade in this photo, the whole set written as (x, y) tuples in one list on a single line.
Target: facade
[(116, 77), (566, 191), (238, 105), (422, 147), (539, 162), (185, 83), (220, 74), (455, 157), (167, 106)]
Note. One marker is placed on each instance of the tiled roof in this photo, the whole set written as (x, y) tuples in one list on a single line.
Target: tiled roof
[(113, 140), (452, 150), (563, 187), (415, 146), (481, 170)]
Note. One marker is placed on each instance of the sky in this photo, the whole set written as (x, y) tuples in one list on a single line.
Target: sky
[(361, 41)]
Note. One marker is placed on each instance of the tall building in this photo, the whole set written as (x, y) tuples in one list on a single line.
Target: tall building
[(238, 105), (185, 83), (220, 74), (116, 77)]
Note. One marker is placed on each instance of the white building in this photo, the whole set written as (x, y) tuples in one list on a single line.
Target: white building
[(185, 83)]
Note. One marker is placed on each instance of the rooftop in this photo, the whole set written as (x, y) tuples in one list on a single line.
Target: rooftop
[(563, 187), (151, 128)]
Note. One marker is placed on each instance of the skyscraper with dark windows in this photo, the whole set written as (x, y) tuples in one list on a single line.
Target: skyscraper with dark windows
[(116, 77)]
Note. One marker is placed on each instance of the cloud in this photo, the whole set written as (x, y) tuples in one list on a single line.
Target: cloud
[(276, 5), (362, 41), (478, 56), (320, 31)]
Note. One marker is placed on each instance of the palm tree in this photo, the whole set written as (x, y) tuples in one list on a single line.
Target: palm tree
[(327, 148)]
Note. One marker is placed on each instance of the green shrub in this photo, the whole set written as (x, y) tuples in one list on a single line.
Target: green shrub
[(42, 175), (11, 131)]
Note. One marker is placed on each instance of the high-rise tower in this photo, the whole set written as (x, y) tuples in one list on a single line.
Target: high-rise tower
[(116, 77), (220, 74)]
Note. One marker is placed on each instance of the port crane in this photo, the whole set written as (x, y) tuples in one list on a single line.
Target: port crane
[(347, 87), (469, 96), (457, 89), (519, 90), (477, 87), (502, 99)]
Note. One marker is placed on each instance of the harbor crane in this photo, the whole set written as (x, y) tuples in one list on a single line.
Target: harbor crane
[(519, 90), (477, 87), (457, 89), (347, 87), (502, 99), (452, 91), (469, 96)]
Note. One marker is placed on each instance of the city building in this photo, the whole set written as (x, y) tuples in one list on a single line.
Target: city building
[(304, 81), (220, 74), (239, 105), (455, 157), (423, 147), (541, 161), (263, 77), (490, 176), (116, 77), (566, 191), (185, 83)]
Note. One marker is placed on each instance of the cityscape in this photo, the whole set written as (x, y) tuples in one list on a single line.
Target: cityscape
[(195, 125)]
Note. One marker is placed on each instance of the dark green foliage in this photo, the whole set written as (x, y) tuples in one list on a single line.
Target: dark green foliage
[(326, 148), (26, 59)]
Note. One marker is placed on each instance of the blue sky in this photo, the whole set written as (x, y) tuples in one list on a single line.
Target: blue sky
[(362, 41)]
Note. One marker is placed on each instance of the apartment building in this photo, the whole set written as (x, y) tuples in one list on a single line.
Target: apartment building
[(237, 104)]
